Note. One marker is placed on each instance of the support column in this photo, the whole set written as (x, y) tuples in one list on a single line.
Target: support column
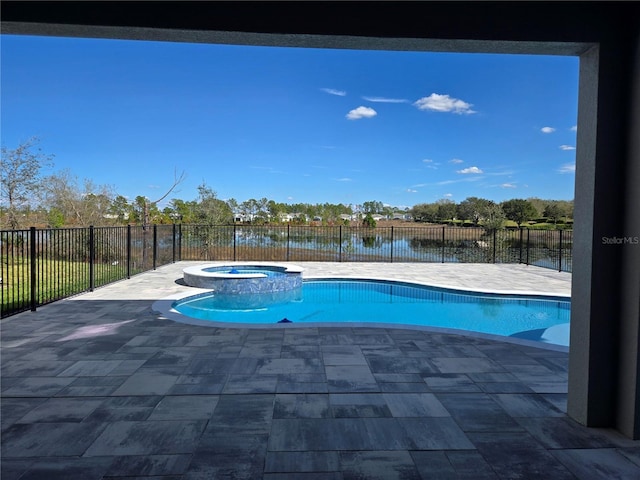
[(603, 358), (628, 413)]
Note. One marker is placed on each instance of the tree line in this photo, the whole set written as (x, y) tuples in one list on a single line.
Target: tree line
[(29, 198), (492, 215)]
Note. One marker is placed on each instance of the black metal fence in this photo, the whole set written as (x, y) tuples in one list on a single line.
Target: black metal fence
[(40, 266), (544, 248)]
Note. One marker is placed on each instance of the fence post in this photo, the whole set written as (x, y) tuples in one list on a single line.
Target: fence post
[(173, 244), (92, 257), (33, 272), (234, 242), (340, 247), (288, 237), (180, 241), (155, 245), (443, 233), (494, 244), (391, 260), (520, 244), (128, 251), (560, 253), (528, 232)]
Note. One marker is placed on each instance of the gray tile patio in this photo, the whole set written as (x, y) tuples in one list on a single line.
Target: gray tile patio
[(100, 386)]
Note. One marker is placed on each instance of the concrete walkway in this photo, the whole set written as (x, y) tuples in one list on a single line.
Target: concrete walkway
[(102, 387)]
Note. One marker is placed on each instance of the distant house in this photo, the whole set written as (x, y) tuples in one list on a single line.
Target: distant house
[(113, 216), (243, 218), (290, 217)]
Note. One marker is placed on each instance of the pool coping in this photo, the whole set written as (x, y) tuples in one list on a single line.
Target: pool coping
[(200, 270)]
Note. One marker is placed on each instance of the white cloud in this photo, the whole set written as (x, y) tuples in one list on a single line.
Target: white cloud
[(448, 195), (430, 164), (547, 129), (333, 91), (567, 168), (343, 179), (566, 147), (385, 100), (472, 178), (456, 160), (465, 171), (411, 190), (508, 185), (574, 128), (361, 112), (444, 103)]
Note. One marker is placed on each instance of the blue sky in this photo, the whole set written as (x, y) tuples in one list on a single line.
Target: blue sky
[(295, 125)]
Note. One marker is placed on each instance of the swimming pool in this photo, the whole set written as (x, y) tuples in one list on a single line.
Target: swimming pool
[(324, 301)]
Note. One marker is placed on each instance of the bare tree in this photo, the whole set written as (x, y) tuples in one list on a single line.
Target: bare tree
[(146, 217), (147, 206), (20, 177), (77, 205)]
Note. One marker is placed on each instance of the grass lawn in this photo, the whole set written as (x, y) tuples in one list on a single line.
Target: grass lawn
[(55, 279)]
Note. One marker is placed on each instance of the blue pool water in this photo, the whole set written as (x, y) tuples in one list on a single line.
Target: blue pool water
[(269, 271), (339, 300)]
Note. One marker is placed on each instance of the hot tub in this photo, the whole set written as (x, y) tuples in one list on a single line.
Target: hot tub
[(244, 278)]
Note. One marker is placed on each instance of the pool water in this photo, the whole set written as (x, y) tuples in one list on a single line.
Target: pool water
[(371, 301), (268, 271)]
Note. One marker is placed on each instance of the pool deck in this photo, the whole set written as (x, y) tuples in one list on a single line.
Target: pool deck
[(100, 386)]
